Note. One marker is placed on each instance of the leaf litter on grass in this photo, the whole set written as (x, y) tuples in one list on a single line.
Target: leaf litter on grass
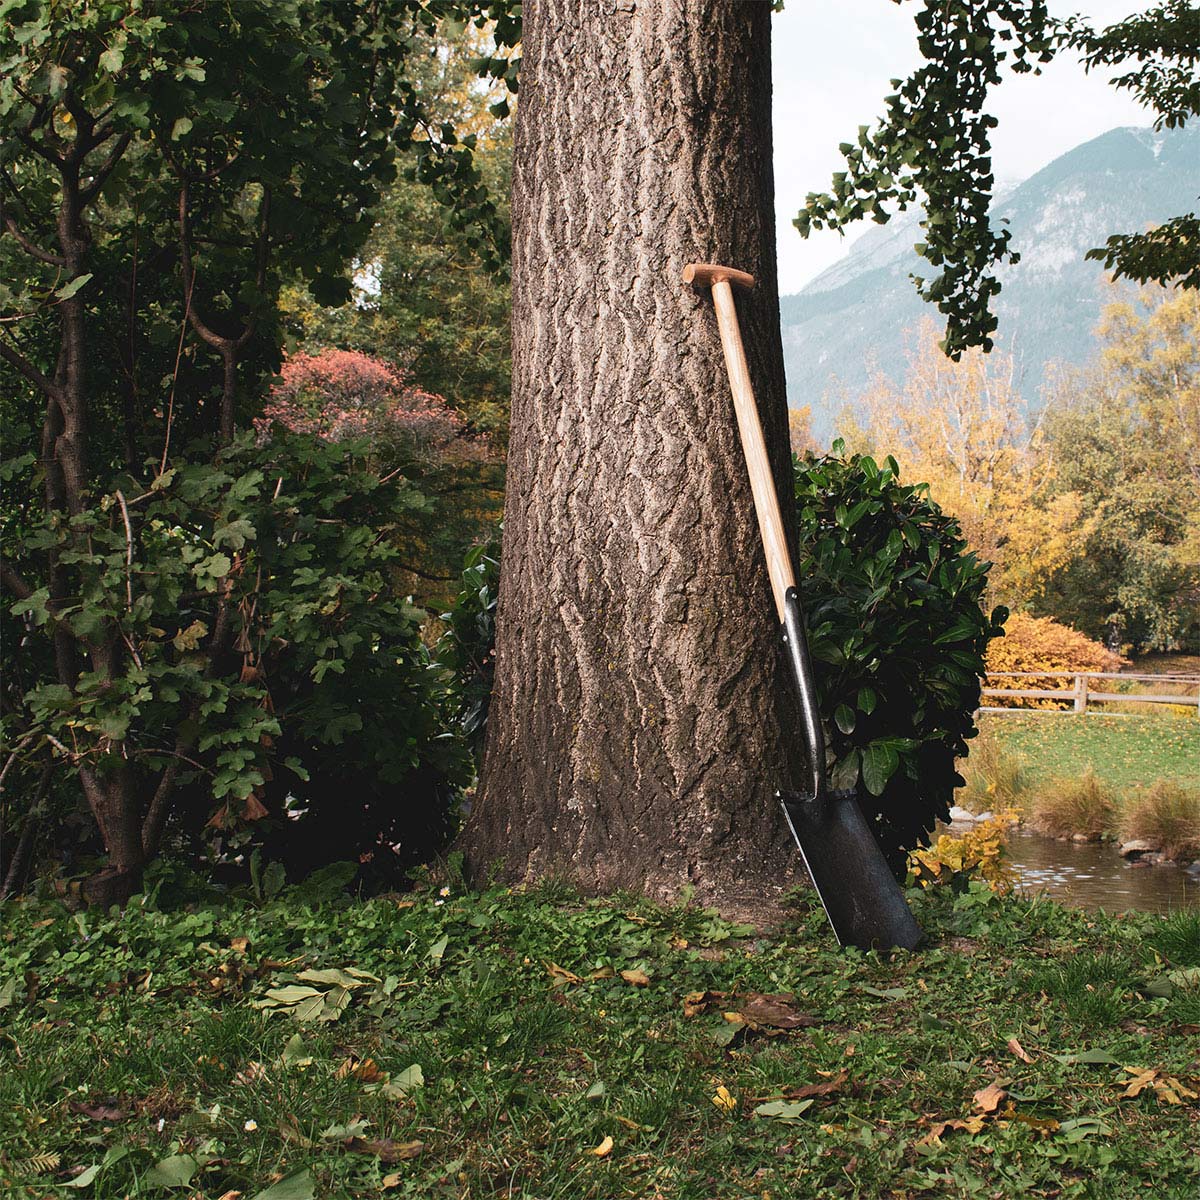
[(518, 1061)]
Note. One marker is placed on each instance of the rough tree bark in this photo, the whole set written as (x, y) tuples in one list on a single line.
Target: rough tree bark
[(635, 737)]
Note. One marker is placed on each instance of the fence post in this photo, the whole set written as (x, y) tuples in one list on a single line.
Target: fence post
[(1081, 693)]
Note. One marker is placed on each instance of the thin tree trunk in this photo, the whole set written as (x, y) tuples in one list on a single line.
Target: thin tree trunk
[(634, 738)]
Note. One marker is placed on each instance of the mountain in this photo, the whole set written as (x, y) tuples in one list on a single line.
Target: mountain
[(852, 320)]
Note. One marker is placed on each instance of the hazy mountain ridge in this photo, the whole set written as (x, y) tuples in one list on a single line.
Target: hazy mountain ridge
[(853, 318)]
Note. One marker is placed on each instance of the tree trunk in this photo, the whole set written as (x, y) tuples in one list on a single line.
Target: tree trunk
[(640, 721)]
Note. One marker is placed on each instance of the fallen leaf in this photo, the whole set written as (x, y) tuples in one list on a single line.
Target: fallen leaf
[(407, 1081), (1016, 1048), (602, 973), (560, 976), (724, 1100), (634, 1125), (988, 1099), (289, 1130), (365, 1069), (1166, 1087), (239, 944), (1142, 1079), (809, 1090), (971, 1125), (760, 1011), (391, 1181), (604, 1149), (774, 1011), (1042, 1124), (387, 1150), (784, 1110), (98, 1112), (300, 1186), (636, 977), (176, 1170), (252, 1073), (1095, 1058)]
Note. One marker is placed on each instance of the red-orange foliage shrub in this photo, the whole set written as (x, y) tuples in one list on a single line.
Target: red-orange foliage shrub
[(340, 395), (1043, 644)]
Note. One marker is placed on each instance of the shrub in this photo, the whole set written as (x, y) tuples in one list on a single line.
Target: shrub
[(1043, 644), (467, 648), (893, 600), (369, 407), (1167, 816), (1074, 806), (954, 860), (270, 677), (994, 778), (343, 395)]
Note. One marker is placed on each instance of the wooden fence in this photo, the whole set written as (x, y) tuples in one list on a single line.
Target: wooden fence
[(1080, 694)]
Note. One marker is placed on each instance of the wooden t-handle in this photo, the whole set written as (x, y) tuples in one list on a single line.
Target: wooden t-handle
[(762, 483)]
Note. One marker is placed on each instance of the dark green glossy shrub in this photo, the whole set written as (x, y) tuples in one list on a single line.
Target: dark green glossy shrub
[(897, 631), (467, 648)]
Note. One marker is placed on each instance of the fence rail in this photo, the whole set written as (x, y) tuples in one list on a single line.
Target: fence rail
[(1080, 694)]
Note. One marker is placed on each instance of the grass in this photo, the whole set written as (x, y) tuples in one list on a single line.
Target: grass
[(1074, 806), (1167, 815), (995, 777), (490, 1045), (1125, 752)]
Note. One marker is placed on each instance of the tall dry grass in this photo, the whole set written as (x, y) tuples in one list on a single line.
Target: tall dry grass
[(1167, 815), (995, 778), (1066, 807)]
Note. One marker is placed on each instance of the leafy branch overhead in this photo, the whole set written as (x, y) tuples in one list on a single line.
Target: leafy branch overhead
[(933, 145)]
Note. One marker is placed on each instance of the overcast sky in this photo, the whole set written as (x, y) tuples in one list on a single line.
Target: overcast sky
[(832, 63)]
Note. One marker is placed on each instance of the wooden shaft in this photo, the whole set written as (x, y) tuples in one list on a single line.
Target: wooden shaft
[(762, 483)]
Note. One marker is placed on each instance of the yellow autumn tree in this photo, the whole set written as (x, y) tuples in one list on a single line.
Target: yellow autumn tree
[(1125, 435), (800, 434), (961, 428)]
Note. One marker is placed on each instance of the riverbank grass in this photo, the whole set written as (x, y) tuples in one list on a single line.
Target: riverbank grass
[(1091, 776), (1125, 752), (538, 1045)]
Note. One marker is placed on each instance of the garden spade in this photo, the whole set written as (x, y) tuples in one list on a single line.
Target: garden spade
[(861, 897)]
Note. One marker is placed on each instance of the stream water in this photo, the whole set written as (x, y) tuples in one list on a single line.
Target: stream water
[(1093, 875)]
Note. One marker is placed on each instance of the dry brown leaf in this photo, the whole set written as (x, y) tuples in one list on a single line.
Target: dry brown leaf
[(773, 1011), (1016, 1048), (98, 1112), (289, 1130), (809, 1090), (1166, 1087), (971, 1125), (604, 1149), (634, 1125), (239, 944), (391, 1181), (385, 1149), (694, 1003), (988, 1099), (602, 973), (1042, 1124), (252, 1073), (763, 1012), (232, 1194), (636, 977), (560, 976), (365, 1069), (253, 808)]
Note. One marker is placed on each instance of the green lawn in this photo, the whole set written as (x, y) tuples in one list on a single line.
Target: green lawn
[(1124, 751), (490, 1046)]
